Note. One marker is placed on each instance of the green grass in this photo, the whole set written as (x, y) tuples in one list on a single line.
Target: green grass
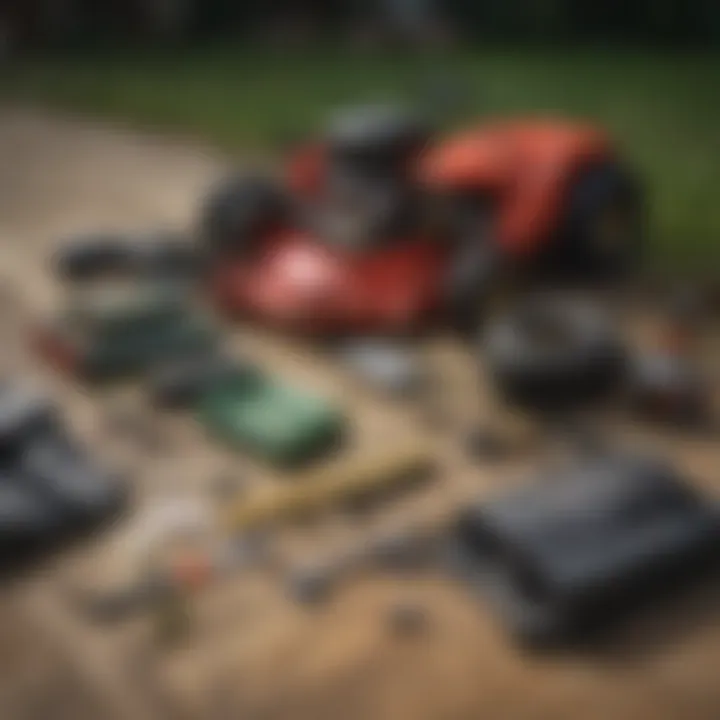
[(663, 109)]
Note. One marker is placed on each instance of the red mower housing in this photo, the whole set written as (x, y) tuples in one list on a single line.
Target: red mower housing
[(296, 282)]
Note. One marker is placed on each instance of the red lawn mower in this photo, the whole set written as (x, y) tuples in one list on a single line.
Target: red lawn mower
[(382, 227)]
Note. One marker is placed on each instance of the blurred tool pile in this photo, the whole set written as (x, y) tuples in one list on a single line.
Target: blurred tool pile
[(383, 235)]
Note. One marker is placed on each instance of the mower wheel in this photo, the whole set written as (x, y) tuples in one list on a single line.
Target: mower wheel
[(551, 355), (604, 226), (237, 210)]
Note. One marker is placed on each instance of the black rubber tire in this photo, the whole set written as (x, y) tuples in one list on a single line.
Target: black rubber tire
[(587, 247), (550, 355), (93, 256), (237, 210)]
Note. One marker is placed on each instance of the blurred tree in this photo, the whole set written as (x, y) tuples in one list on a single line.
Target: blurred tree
[(673, 21), (60, 22), (166, 20)]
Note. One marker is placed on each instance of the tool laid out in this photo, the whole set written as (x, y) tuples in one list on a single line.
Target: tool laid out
[(249, 408), (111, 333), (367, 480), (404, 549)]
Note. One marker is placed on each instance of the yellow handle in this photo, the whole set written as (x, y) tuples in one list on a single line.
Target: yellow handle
[(315, 491)]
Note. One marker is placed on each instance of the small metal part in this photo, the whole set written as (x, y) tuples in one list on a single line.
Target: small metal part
[(393, 367), (401, 550), (398, 551), (227, 486), (407, 619), (487, 445), (312, 585), (246, 550)]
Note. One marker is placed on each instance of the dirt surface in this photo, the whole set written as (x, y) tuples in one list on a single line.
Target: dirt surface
[(252, 652)]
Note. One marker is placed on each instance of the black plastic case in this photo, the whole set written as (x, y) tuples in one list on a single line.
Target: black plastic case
[(570, 553)]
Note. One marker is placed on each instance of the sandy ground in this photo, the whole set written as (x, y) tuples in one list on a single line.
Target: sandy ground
[(253, 654)]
